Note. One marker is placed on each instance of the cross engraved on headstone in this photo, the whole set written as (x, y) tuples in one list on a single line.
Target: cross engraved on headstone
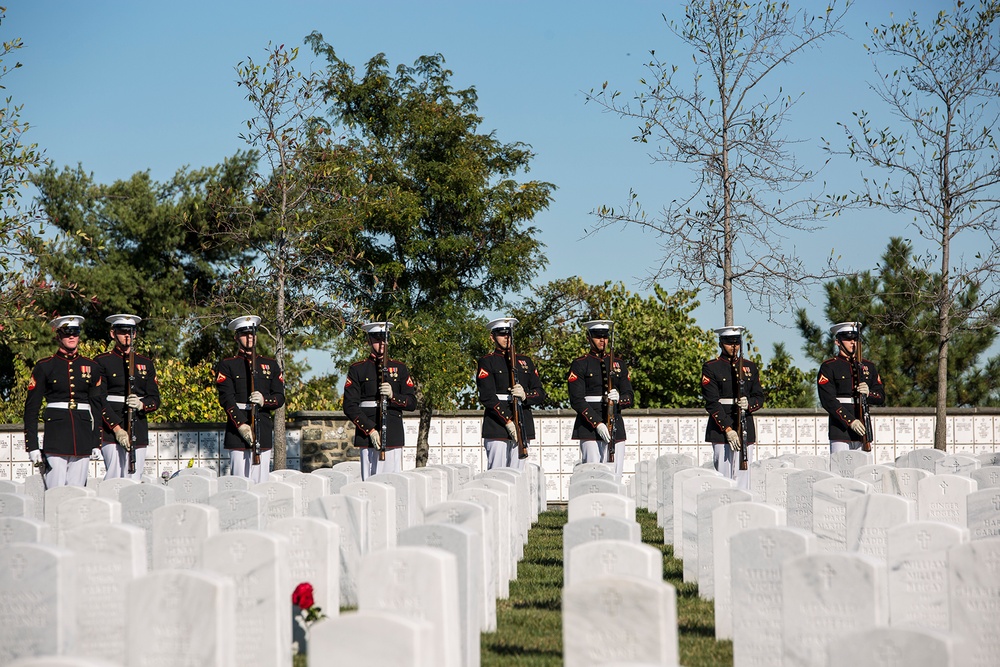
[(993, 561), (363, 493), (609, 558), (593, 488), (596, 532), (904, 477), (888, 655), (454, 515), (187, 484), (612, 602), (233, 503), (182, 516), (923, 539), (944, 486), (17, 564), (849, 458), (725, 500), (705, 486), (399, 570), (142, 493), (827, 574), (84, 512), (838, 490), (8, 535), (994, 477), (996, 502), (238, 551), (597, 507), (768, 545), (296, 534), (876, 475), (271, 493), (3, 507), (434, 539), (743, 518), (100, 542)]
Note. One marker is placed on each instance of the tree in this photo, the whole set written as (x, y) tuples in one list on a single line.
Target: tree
[(893, 336), (655, 334), (296, 219), (941, 166), (19, 281), (443, 228), (785, 386), (727, 128)]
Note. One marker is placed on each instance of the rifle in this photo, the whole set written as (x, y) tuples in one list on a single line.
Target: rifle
[(43, 468), (254, 425), (382, 416), (740, 375), (129, 413), (516, 408), (861, 402), (607, 368)]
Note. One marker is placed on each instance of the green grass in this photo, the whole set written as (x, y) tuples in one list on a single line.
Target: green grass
[(529, 622)]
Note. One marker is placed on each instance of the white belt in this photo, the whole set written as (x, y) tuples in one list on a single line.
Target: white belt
[(727, 401), (244, 406), (64, 405), (503, 397), (368, 404), (846, 399), (116, 399), (594, 399)]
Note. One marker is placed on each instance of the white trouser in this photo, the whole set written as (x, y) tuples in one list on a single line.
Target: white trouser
[(370, 465), (502, 454), (727, 462), (844, 445), (67, 471), (596, 451), (241, 465), (116, 461)]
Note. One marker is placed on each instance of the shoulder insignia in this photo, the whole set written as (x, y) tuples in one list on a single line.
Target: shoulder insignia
[(409, 382), (31, 385), (98, 382), (348, 383), (220, 378), (281, 377), (705, 380), (483, 373), (572, 377), (629, 375), (878, 378), (823, 379)]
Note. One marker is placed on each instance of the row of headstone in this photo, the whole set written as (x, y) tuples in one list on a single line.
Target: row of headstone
[(138, 552), (889, 535)]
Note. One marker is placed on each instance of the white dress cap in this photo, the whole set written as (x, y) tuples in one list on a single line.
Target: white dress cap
[(67, 321), (728, 332), (244, 322), (502, 323), (377, 327), (844, 327), (123, 320), (597, 324)]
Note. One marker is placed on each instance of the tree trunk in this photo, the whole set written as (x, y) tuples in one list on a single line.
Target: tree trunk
[(280, 460), (941, 408), (426, 410)]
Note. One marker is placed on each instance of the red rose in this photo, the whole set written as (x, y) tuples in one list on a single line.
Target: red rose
[(303, 596)]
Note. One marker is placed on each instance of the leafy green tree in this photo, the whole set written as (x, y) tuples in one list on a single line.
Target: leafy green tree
[(726, 125), (655, 334), (939, 166), (893, 335), (443, 222), (786, 386), (295, 218)]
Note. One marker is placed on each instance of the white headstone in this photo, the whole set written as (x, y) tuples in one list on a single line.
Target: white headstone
[(282, 500), (592, 529), (844, 463), (335, 478), (942, 498), (983, 513), (499, 519), (619, 619), (179, 530), (799, 499), (193, 488), (825, 596), (232, 483), (313, 557), (418, 582), (830, 498), (188, 617), (24, 529), (917, 566), (681, 476), (691, 489), (869, 518), (892, 646), (17, 504), (39, 609), (85, 511), (258, 564), (974, 593), (239, 509), (987, 477), (56, 496), (347, 640), (110, 488), (382, 512), (603, 558), (138, 504), (601, 504), (904, 481), (708, 502), (351, 516), (406, 506)]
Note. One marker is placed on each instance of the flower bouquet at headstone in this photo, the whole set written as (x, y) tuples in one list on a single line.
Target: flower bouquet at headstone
[(305, 612)]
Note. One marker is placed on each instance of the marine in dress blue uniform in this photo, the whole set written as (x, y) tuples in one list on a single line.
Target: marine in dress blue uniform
[(497, 392), (589, 397), (232, 380), (70, 385), (143, 398), (837, 391), (719, 386), (363, 388)]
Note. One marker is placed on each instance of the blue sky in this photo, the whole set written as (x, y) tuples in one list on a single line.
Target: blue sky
[(127, 86)]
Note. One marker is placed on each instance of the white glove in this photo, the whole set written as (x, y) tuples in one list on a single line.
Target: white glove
[(246, 433), (863, 388), (603, 433), (858, 427), (257, 398), (36, 456), (121, 435), (517, 391), (511, 430), (375, 439), (134, 402), (733, 438), (743, 403), (613, 395), (385, 389)]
